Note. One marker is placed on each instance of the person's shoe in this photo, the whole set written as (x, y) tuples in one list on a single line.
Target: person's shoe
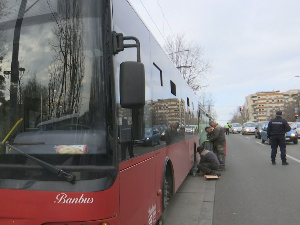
[(285, 163), (273, 163)]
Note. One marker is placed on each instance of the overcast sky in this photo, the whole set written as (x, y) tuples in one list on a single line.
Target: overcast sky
[(254, 44)]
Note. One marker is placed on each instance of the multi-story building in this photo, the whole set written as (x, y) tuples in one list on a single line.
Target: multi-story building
[(167, 111), (262, 106)]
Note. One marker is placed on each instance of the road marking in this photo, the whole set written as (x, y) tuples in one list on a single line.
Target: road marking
[(261, 144), (291, 157)]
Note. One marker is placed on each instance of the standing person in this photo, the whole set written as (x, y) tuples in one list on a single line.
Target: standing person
[(171, 133), (209, 131), (207, 144), (227, 126), (277, 128), (126, 139), (209, 162), (218, 139)]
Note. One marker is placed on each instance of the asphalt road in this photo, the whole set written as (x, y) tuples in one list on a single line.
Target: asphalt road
[(252, 190)]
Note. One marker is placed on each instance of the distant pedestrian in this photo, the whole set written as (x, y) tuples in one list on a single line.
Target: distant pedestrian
[(209, 162), (227, 126), (218, 139), (277, 128)]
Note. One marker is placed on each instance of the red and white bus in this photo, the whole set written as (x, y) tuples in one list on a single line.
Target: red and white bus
[(80, 81)]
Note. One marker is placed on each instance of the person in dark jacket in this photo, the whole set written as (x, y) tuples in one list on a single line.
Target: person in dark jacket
[(277, 128), (209, 162)]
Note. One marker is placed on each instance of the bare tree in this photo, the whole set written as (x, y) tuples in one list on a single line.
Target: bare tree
[(188, 57), (67, 68), (207, 100), (289, 110), (240, 116)]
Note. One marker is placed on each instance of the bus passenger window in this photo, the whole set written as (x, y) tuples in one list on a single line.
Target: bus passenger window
[(160, 73), (173, 88)]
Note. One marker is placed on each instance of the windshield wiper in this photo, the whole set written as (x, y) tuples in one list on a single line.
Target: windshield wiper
[(32, 143), (59, 172)]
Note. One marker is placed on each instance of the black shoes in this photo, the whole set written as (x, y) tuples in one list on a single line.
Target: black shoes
[(283, 163)]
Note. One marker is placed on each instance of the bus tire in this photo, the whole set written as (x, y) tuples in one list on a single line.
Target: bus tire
[(167, 185), (159, 221), (166, 194)]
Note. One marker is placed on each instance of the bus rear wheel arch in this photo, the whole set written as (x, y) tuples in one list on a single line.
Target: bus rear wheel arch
[(167, 184)]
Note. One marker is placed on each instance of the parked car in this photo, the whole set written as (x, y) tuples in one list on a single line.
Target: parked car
[(248, 128), (235, 128), (258, 128), (290, 136)]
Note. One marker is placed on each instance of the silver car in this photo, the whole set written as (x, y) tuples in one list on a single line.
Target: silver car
[(296, 127), (235, 128), (190, 129), (248, 128)]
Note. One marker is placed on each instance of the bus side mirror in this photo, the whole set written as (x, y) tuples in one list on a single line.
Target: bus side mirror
[(132, 85)]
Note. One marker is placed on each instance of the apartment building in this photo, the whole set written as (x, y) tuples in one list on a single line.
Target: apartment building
[(262, 106)]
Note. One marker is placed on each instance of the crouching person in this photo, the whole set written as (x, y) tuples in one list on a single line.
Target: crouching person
[(209, 162)]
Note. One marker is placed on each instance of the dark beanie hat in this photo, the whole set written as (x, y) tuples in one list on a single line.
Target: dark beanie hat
[(200, 148)]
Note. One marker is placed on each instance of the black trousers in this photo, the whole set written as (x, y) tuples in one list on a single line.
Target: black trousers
[(124, 146), (227, 131), (275, 142)]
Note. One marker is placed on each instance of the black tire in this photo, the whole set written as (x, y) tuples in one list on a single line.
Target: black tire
[(166, 194), (259, 136), (167, 186), (295, 141), (159, 221), (152, 143)]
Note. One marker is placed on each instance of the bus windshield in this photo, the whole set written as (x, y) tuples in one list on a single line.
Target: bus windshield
[(55, 91)]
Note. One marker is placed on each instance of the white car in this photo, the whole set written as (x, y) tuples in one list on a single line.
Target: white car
[(235, 128), (190, 129), (296, 127), (248, 128)]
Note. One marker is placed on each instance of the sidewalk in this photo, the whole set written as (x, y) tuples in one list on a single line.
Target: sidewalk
[(193, 203)]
